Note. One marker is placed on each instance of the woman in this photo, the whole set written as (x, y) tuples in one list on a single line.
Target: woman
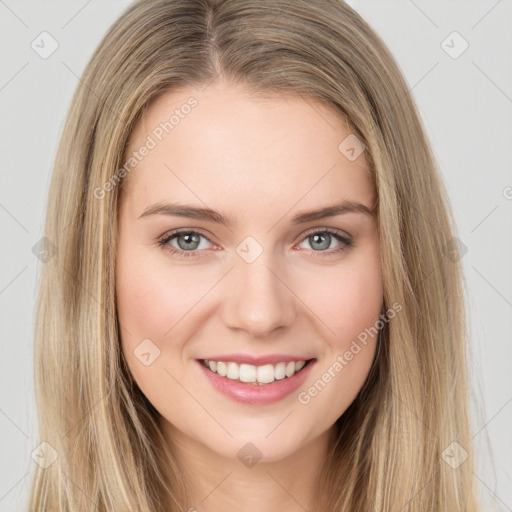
[(253, 305)]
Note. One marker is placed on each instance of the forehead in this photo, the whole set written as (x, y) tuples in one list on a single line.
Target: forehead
[(224, 143)]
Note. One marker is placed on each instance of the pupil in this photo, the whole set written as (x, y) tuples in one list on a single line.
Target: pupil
[(326, 238), (189, 238)]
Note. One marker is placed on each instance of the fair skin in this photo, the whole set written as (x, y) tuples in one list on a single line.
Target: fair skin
[(258, 162)]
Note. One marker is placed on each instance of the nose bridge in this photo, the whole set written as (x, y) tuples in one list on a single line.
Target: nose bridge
[(260, 302)]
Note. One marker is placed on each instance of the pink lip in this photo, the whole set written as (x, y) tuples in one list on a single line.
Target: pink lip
[(256, 360), (250, 393)]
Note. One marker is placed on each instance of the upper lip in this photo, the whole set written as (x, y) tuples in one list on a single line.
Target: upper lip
[(256, 360)]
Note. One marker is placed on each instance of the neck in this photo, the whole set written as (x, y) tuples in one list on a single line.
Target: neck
[(217, 483)]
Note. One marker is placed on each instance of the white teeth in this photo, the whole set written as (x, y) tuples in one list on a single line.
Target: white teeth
[(290, 369), (264, 374), (233, 371), (247, 373), (280, 371), (222, 369)]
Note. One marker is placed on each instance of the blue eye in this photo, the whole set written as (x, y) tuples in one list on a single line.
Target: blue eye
[(322, 239), (190, 240)]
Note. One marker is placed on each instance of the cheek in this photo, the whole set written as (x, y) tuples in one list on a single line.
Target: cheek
[(350, 305), (359, 303), (151, 301), (152, 298), (348, 298)]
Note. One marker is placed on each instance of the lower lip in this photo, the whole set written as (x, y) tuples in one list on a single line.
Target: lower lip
[(250, 393)]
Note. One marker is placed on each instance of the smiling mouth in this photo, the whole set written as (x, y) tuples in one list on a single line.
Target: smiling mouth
[(256, 375)]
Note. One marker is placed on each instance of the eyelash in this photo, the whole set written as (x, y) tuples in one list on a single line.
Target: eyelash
[(347, 242)]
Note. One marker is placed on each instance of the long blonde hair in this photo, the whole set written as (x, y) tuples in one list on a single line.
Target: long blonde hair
[(388, 453)]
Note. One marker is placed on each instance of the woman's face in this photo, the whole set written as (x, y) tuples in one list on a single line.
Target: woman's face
[(270, 282)]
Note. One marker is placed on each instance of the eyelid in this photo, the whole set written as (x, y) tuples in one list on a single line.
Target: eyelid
[(327, 229), (173, 232), (345, 237)]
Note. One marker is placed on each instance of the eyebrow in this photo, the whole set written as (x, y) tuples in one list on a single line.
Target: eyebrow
[(206, 214)]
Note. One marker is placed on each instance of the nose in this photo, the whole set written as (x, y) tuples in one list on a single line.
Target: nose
[(259, 300)]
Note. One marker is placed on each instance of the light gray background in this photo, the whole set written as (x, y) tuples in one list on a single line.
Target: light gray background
[(466, 107)]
